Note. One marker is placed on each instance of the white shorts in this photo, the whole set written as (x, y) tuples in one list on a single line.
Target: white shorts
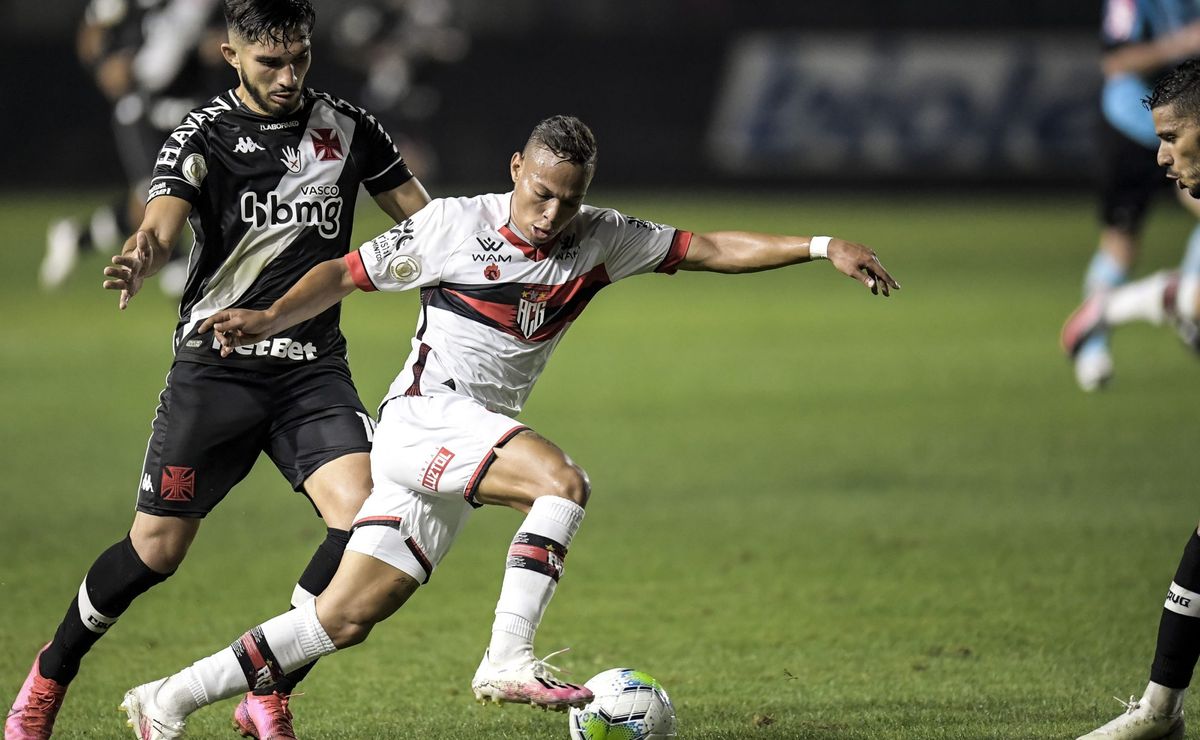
[(428, 456)]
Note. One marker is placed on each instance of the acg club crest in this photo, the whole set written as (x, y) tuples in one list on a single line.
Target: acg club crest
[(531, 311)]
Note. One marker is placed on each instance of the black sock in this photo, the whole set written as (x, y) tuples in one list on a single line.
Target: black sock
[(116, 578), (1179, 629), (314, 579)]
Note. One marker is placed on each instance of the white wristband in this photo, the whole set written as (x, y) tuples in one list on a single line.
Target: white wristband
[(818, 247)]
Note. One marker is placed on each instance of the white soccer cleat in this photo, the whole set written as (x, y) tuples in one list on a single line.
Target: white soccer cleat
[(1093, 369), (149, 720), (527, 680), (1139, 722), (62, 250)]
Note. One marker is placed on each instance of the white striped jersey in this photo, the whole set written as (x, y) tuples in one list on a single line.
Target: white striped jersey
[(493, 307), (271, 198)]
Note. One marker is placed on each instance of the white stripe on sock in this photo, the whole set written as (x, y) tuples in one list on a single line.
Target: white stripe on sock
[(1182, 601)]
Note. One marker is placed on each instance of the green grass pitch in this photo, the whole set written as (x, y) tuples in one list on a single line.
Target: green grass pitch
[(816, 513)]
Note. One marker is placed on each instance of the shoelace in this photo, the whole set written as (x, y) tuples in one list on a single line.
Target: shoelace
[(279, 709), (42, 702), (540, 665), (1130, 705)]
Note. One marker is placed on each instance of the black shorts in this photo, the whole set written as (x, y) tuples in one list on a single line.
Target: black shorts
[(213, 421), (1129, 177)]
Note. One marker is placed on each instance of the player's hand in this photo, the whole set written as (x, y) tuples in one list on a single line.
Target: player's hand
[(862, 264), (237, 327), (128, 269)]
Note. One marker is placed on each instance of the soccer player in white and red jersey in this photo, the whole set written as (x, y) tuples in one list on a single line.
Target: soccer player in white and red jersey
[(502, 277)]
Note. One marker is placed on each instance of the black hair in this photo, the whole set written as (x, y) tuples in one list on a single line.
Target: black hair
[(270, 21), (566, 137), (1180, 88)]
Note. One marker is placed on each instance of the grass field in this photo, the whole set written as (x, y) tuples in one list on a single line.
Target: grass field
[(816, 514)]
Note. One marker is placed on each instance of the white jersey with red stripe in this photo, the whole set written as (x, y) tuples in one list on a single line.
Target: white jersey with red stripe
[(493, 307)]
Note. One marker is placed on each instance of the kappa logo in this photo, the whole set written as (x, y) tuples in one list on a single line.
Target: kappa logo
[(291, 160), (178, 483), (326, 146), (147, 483), (246, 145), (437, 466)]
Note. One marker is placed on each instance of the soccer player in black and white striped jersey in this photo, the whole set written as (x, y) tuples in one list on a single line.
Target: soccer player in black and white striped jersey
[(267, 173)]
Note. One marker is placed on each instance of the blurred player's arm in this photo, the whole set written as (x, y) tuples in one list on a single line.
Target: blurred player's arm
[(320, 288), (745, 251), (1146, 57), (149, 248), (404, 200)]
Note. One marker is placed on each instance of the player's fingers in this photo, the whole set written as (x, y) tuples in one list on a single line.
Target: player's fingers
[(124, 302), (884, 275), (208, 323)]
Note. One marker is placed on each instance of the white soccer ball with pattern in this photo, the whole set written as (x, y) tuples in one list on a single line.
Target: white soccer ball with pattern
[(628, 705)]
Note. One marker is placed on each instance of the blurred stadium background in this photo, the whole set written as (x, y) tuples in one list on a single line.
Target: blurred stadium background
[(817, 514)]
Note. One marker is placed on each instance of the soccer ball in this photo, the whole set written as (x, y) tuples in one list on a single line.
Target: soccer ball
[(629, 705)]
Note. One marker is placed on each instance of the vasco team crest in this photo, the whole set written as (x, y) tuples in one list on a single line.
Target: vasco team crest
[(326, 145), (531, 311)]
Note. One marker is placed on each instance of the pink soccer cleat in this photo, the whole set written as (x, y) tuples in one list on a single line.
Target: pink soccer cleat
[(264, 717), (36, 706), (527, 681), (1082, 323)]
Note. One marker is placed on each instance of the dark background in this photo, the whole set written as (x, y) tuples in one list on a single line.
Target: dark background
[(644, 73)]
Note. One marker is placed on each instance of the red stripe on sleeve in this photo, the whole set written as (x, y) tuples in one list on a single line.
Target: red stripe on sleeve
[(675, 255), (358, 271)]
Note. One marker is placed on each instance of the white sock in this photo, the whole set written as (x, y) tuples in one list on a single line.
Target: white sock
[(293, 638), (1141, 300), (1187, 300), (1164, 699), (535, 562)]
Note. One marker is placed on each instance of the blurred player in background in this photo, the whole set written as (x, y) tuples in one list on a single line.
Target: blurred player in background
[(502, 277), (390, 44), (268, 173), (1175, 105), (1167, 296), (154, 60), (1142, 38)]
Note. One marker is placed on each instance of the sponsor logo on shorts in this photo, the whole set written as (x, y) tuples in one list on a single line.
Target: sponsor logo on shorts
[(433, 473), (282, 348), (178, 483)]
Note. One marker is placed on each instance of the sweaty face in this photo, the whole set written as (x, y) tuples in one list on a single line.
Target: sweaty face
[(1179, 147), (272, 74), (547, 193)]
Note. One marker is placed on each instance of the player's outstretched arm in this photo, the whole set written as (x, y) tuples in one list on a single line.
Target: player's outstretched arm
[(320, 288), (149, 248), (746, 251), (403, 201)]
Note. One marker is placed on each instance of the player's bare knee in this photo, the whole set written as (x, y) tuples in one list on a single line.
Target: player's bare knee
[(162, 542), (571, 482)]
